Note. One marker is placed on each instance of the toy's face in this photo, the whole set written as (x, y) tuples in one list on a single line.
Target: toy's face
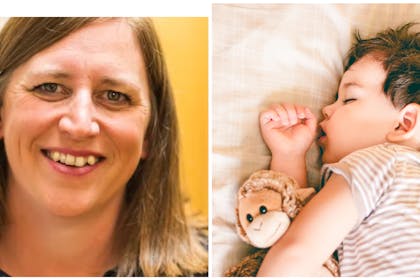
[(262, 217)]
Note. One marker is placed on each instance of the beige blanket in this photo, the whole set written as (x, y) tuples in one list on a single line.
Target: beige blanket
[(274, 53)]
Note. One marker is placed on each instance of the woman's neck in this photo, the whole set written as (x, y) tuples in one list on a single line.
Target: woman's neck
[(38, 243)]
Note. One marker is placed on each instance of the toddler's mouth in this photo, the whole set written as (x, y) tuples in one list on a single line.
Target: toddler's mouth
[(322, 136)]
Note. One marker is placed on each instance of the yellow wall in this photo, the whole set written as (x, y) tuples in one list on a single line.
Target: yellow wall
[(185, 46)]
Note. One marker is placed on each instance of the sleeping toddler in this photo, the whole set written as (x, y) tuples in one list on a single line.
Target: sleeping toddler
[(369, 206)]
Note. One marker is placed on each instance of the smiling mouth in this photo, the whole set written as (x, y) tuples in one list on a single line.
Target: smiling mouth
[(72, 160)]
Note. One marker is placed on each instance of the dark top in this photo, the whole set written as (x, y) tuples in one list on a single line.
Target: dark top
[(113, 272), (109, 273)]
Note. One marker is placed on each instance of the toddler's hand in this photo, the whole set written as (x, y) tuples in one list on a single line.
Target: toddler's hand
[(288, 129)]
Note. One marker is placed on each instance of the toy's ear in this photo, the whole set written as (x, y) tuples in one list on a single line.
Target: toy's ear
[(407, 131), (239, 228), (304, 194)]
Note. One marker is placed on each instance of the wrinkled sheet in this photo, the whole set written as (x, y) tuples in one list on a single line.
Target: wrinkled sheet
[(270, 53)]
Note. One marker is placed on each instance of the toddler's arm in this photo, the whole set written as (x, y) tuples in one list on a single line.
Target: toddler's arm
[(315, 233), (288, 130)]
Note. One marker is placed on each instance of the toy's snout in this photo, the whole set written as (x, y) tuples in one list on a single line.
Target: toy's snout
[(265, 230)]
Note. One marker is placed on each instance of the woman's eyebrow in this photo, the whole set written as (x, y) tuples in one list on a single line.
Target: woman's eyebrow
[(51, 73), (119, 82)]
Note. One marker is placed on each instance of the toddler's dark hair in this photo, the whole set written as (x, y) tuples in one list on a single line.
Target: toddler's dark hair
[(399, 51)]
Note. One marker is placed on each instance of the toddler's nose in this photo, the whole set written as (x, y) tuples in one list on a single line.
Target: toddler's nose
[(327, 111)]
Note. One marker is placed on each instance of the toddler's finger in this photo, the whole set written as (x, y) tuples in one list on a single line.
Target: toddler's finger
[(300, 112), (291, 113), (284, 119), (269, 116)]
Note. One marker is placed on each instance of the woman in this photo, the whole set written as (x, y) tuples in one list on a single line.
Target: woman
[(89, 153)]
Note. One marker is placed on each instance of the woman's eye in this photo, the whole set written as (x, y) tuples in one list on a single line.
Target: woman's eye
[(48, 87), (50, 91), (349, 100), (116, 96), (114, 99)]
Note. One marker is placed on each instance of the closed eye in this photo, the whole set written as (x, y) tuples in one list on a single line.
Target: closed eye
[(349, 100)]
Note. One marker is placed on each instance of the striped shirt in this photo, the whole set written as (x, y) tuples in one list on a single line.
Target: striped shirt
[(385, 184)]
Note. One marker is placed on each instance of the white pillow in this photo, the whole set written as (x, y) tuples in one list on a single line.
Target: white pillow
[(273, 53)]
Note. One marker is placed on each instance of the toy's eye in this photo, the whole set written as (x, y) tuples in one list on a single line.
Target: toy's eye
[(263, 209), (249, 218)]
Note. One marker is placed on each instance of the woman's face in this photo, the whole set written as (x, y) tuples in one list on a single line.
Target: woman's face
[(74, 120)]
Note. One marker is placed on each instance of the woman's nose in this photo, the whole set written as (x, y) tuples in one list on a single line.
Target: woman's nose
[(78, 121)]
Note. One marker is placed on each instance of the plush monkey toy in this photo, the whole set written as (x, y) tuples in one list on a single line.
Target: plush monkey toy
[(266, 204)]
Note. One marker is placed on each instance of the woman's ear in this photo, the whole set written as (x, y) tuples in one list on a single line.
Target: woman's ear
[(408, 128)]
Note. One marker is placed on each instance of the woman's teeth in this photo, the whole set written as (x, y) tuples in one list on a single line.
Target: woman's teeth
[(71, 160)]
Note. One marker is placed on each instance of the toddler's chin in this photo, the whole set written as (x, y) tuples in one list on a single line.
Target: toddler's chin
[(326, 157)]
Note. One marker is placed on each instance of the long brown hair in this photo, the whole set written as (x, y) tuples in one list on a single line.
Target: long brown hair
[(156, 236)]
